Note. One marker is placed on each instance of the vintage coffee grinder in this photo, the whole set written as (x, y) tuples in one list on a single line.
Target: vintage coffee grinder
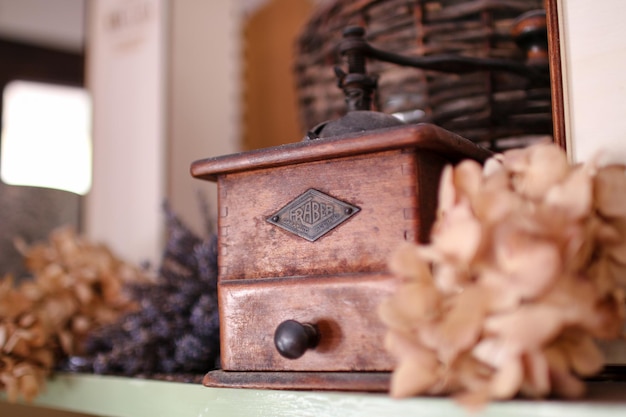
[(305, 231)]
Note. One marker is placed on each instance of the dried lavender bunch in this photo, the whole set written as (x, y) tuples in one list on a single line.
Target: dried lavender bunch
[(176, 329)]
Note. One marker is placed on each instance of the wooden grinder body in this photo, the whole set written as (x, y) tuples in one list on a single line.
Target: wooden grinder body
[(386, 182)]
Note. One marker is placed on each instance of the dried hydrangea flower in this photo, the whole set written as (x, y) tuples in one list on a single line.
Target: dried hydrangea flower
[(524, 270), (81, 285), (76, 287)]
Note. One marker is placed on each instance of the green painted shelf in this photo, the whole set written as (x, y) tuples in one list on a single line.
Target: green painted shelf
[(128, 397)]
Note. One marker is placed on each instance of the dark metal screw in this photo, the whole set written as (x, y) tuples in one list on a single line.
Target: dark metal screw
[(275, 218), (348, 210)]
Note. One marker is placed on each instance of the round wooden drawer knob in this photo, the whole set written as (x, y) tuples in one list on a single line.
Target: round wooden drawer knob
[(292, 339)]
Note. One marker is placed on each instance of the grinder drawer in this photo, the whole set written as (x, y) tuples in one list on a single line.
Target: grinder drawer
[(342, 309)]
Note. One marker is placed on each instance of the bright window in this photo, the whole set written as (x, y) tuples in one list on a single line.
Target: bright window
[(46, 136)]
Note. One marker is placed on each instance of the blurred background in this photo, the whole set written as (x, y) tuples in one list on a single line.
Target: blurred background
[(106, 103), (117, 97)]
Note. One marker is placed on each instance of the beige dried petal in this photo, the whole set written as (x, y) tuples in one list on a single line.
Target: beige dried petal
[(609, 186), (516, 160), (536, 168), (449, 279), (617, 249), (573, 196), (10, 386), (17, 344), (458, 234), (411, 378), (27, 320), (403, 346), (607, 320), (562, 381), (507, 379), (103, 314), (20, 245), (32, 291), (113, 290), (496, 178), (580, 304), (66, 340), (43, 357), (617, 253), (473, 401), (447, 192), (83, 292), (528, 328), (459, 328), (531, 264), (38, 335), (416, 370), (617, 272), (22, 348), (605, 273), (6, 287), (58, 309), (13, 303), (23, 368), (28, 386), (53, 275), (468, 373), (494, 166), (406, 308), (605, 232), (496, 205), (579, 246), (4, 335), (87, 273), (494, 352), (536, 382), (500, 293), (467, 177), (81, 324), (406, 263), (430, 254), (7, 363), (583, 356)]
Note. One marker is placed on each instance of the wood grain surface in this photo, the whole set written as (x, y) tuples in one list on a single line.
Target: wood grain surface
[(318, 381), (422, 137), (394, 190), (344, 308)]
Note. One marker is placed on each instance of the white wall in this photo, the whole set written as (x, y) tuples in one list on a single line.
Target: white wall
[(52, 23), (126, 76), (204, 96), (594, 72), (166, 93)]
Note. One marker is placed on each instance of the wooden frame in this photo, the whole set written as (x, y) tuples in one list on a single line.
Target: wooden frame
[(556, 77), (587, 62)]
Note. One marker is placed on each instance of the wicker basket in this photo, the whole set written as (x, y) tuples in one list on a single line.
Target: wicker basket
[(496, 109)]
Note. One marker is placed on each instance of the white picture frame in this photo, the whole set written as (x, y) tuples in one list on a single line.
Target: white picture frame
[(588, 76), (588, 68)]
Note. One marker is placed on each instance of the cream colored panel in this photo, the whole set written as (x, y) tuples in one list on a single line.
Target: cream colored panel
[(594, 65)]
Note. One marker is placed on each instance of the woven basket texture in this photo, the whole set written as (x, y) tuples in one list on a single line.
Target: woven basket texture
[(496, 109)]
